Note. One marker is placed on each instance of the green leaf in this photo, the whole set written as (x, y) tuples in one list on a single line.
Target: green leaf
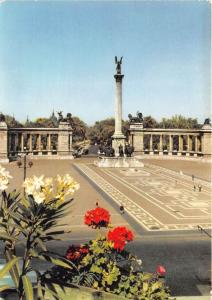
[(5, 237), (4, 288), (51, 290), (96, 269), (56, 261), (27, 288), (8, 266), (14, 271), (156, 286)]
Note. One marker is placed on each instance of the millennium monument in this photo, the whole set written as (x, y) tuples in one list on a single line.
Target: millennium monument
[(118, 138)]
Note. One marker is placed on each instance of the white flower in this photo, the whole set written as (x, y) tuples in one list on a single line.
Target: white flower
[(139, 261), (4, 179), (38, 182), (39, 197)]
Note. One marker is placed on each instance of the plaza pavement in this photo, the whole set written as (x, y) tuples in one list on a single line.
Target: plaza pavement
[(185, 252)]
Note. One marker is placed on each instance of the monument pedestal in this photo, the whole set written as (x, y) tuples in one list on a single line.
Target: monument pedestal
[(117, 141), (3, 142), (118, 162)]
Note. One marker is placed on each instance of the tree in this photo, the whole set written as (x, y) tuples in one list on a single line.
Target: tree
[(12, 122), (79, 129), (150, 122), (178, 121)]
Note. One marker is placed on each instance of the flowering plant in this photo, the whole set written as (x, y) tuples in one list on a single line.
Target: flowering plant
[(96, 218), (120, 236), (105, 265), (45, 189), (161, 271), (76, 252), (32, 220), (4, 179)]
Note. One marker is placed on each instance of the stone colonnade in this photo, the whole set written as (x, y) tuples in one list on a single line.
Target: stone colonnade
[(188, 142), (40, 141)]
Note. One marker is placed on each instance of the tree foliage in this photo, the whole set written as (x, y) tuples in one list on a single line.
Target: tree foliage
[(103, 130)]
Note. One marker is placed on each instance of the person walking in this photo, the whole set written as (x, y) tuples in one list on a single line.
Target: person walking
[(200, 187), (121, 208), (194, 188)]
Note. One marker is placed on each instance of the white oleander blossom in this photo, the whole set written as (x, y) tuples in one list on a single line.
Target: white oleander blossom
[(44, 189), (4, 178)]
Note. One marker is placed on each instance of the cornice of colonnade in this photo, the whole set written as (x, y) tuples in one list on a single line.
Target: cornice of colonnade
[(172, 130), (37, 130)]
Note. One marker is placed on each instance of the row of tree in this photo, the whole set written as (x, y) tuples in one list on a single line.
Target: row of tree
[(103, 130)]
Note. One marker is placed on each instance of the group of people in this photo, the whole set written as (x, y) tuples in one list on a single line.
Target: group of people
[(199, 188)]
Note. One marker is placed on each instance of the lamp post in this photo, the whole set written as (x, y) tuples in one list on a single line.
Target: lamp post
[(25, 166)]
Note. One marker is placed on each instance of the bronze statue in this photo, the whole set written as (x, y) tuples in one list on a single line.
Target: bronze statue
[(207, 121), (2, 117), (137, 119), (60, 114), (118, 65)]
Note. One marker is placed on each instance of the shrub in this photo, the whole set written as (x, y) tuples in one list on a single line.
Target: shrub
[(32, 221), (105, 265)]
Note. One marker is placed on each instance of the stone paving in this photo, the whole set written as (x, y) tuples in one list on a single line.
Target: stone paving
[(157, 198)]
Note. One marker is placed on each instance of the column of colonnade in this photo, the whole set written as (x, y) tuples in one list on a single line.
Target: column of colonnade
[(182, 143)]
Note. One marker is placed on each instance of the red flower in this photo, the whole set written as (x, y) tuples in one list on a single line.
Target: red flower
[(120, 236), (98, 217), (76, 252), (161, 270)]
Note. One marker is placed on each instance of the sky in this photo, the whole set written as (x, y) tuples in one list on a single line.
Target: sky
[(59, 55)]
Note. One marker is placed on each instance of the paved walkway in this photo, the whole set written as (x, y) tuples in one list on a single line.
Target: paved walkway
[(157, 198)]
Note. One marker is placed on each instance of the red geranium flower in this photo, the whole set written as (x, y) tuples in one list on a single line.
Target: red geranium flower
[(120, 236), (161, 270), (76, 252), (98, 217)]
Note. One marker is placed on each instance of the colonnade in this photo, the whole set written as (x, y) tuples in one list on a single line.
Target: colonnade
[(40, 141), (188, 142), (35, 143), (171, 144)]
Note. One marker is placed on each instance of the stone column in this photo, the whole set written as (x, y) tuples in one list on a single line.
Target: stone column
[(198, 144), (170, 144), (195, 146), (64, 143), (136, 137), (206, 140), (30, 143), (188, 145), (180, 144), (3, 142), (118, 137), (22, 142), (39, 144), (150, 145), (161, 145), (49, 143), (15, 142)]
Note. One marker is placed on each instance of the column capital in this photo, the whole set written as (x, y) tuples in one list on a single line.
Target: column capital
[(118, 77)]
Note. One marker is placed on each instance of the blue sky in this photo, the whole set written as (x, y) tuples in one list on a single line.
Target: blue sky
[(60, 55)]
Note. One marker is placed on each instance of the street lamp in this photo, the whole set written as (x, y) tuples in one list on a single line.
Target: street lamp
[(25, 167)]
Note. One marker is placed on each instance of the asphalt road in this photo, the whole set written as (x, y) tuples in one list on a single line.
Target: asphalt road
[(185, 258)]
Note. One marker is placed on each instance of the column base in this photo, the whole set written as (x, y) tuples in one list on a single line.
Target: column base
[(118, 140)]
